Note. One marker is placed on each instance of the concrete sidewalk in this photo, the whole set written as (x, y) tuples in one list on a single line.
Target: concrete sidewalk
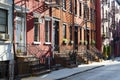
[(66, 72)]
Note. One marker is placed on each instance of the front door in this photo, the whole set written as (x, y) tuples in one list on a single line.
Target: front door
[(56, 36), (4, 70), (88, 33), (76, 38), (20, 32)]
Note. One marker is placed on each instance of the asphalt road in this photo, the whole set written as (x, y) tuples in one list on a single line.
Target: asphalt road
[(108, 72)]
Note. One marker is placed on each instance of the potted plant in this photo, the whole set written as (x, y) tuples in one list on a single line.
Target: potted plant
[(71, 42), (81, 42), (85, 42), (93, 42), (65, 41)]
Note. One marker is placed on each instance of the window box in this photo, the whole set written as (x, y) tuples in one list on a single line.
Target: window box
[(47, 43), (36, 43)]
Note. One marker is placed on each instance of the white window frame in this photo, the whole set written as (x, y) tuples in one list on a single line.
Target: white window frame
[(38, 31), (48, 31), (4, 26)]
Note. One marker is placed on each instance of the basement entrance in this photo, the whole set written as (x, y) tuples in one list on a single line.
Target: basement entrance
[(56, 36), (76, 37), (4, 70)]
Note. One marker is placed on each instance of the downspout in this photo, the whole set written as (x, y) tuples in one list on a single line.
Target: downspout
[(13, 42), (13, 38)]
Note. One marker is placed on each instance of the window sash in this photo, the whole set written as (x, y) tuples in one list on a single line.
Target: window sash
[(80, 9), (80, 33), (70, 4), (64, 4), (47, 31), (36, 32), (75, 7), (58, 2), (64, 31), (2, 28), (70, 32), (3, 20)]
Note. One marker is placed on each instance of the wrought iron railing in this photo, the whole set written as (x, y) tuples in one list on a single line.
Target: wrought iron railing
[(4, 70)]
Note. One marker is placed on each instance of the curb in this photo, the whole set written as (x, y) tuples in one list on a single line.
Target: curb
[(81, 72)]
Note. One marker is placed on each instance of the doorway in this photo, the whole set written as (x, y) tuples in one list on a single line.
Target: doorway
[(76, 38), (56, 36), (20, 33), (4, 70)]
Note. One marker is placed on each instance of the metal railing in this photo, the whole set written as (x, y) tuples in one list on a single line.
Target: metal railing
[(3, 71)]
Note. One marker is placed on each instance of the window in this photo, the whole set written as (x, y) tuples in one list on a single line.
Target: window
[(88, 13), (64, 31), (75, 7), (80, 34), (70, 3), (106, 14), (36, 30), (84, 35), (3, 20), (80, 9), (70, 31), (91, 14), (47, 31), (64, 4), (58, 2), (84, 12)]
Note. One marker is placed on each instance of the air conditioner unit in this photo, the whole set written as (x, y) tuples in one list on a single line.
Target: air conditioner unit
[(40, 20), (4, 36), (49, 2)]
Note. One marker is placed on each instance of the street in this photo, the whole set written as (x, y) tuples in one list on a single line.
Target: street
[(107, 72)]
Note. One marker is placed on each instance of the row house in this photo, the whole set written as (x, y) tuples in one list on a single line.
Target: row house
[(110, 25), (54, 32), (6, 40)]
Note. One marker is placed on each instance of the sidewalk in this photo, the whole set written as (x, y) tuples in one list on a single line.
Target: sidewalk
[(59, 74)]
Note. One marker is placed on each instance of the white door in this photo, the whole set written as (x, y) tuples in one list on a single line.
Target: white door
[(21, 32)]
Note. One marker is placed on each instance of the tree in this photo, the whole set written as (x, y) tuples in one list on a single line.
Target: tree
[(118, 1)]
